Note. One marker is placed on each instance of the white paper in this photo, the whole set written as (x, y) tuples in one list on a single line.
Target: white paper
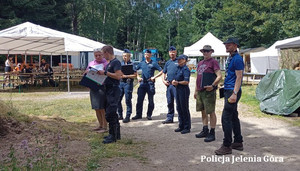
[(98, 67), (93, 75)]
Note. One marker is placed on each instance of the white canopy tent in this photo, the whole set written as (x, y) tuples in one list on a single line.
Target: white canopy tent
[(269, 58), (208, 39), (29, 38)]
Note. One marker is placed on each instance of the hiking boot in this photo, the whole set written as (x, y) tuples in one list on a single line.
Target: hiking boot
[(178, 130), (167, 121), (237, 146), (185, 131), (126, 120), (136, 117), (223, 150), (110, 139), (210, 137), (203, 133)]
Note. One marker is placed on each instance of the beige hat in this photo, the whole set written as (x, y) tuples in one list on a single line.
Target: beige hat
[(206, 47)]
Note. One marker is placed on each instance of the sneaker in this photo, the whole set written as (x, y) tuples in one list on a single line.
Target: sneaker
[(185, 131), (223, 150), (167, 121), (126, 120), (136, 117), (210, 137), (237, 146), (178, 130), (149, 118), (202, 134)]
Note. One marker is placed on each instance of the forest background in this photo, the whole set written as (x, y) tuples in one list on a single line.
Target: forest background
[(139, 24)]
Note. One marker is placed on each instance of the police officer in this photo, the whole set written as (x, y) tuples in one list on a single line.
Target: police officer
[(181, 82), (168, 76), (147, 85), (126, 87), (114, 74)]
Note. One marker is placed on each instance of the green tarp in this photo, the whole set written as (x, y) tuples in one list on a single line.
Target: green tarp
[(279, 92)]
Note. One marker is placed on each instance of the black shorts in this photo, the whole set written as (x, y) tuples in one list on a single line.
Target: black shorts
[(98, 98)]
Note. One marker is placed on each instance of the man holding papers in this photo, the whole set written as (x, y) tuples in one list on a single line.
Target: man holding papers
[(126, 85), (208, 77)]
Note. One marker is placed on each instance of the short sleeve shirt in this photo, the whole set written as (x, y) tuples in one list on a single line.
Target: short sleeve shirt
[(210, 66), (170, 69), (182, 74), (113, 66), (233, 63), (148, 69)]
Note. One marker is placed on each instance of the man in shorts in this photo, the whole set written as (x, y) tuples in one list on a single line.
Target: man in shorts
[(206, 96)]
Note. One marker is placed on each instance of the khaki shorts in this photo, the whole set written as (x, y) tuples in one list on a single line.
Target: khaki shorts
[(206, 100)]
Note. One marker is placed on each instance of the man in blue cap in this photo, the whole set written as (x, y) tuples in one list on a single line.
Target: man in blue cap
[(126, 86), (147, 85), (232, 94), (169, 72)]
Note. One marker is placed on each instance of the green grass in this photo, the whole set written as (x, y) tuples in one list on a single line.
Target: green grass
[(69, 116)]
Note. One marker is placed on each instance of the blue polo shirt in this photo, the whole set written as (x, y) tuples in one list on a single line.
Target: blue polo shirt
[(183, 74), (233, 63), (148, 69), (113, 66), (170, 69)]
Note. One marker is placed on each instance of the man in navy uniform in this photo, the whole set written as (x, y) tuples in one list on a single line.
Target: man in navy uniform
[(169, 72), (126, 87), (112, 81), (147, 85)]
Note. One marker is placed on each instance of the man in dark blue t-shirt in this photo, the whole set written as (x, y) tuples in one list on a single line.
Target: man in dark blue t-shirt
[(147, 85), (232, 94), (112, 81), (169, 73)]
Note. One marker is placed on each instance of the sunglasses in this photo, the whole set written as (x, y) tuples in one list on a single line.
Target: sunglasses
[(205, 51)]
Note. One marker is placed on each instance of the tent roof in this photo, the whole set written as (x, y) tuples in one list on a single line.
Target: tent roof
[(294, 44), (30, 38), (249, 50), (208, 39), (272, 51)]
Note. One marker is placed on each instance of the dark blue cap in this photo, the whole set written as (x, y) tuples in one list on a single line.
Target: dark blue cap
[(182, 57), (126, 51), (147, 51), (232, 40), (171, 48)]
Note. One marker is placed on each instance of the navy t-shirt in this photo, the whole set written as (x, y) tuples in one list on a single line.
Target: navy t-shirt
[(170, 69), (112, 67), (234, 62), (183, 74), (148, 69)]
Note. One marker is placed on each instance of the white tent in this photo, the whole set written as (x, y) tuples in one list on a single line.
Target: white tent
[(269, 58), (208, 39), (29, 38)]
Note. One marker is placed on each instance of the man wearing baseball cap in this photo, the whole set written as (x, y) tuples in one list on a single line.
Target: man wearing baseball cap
[(169, 72), (232, 94)]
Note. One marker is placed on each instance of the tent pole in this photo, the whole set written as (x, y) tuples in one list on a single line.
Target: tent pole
[(25, 57), (39, 59), (51, 60), (61, 65), (68, 73)]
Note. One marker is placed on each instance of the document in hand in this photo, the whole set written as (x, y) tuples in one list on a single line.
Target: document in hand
[(94, 76), (127, 69), (89, 83), (207, 79)]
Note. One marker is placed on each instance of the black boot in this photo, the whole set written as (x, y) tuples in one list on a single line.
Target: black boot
[(203, 133), (118, 132), (110, 129), (112, 136), (211, 136)]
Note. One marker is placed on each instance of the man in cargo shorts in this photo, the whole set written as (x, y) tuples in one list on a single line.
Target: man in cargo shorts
[(206, 95)]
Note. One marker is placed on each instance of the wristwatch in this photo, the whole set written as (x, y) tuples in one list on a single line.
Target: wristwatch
[(234, 92), (105, 72)]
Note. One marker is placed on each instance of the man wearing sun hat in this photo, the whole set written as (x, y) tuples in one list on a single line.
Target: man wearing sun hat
[(126, 87), (169, 73), (206, 96), (232, 94)]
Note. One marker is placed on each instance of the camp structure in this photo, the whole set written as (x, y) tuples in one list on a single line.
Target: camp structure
[(289, 55)]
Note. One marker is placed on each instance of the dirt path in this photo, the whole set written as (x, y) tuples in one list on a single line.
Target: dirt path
[(265, 141)]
